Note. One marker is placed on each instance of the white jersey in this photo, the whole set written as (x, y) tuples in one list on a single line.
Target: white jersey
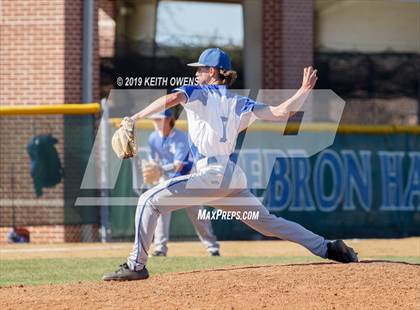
[(214, 119)]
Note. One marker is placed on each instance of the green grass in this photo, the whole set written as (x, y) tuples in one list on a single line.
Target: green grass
[(54, 271)]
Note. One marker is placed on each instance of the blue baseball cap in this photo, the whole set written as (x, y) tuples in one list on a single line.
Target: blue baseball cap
[(161, 115), (213, 57)]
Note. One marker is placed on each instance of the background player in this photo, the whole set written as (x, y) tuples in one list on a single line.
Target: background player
[(216, 116), (170, 156)]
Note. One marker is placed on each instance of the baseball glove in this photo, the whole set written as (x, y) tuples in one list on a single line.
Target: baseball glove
[(124, 140), (151, 172)]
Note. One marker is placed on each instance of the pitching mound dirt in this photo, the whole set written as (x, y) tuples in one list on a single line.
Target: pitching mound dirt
[(367, 285)]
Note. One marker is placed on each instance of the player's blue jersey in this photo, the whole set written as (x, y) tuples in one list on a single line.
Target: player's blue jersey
[(171, 149), (215, 118)]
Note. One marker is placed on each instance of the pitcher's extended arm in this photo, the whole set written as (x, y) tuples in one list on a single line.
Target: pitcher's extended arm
[(160, 104), (284, 110)]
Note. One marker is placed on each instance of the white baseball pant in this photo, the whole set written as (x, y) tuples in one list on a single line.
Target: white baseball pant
[(219, 183)]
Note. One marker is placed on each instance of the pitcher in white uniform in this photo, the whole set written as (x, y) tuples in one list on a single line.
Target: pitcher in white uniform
[(216, 116)]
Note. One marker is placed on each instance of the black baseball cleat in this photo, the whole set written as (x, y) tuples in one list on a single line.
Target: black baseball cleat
[(215, 253), (340, 252), (159, 253), (126, 274)]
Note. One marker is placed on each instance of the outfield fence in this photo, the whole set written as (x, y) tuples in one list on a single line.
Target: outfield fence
[(366, 184), (51, 217)]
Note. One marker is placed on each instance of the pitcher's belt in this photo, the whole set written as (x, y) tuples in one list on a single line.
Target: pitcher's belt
[(206, 161)]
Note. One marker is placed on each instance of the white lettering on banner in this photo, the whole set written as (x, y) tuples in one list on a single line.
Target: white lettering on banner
[(331, 159), (358, 179), (251, 163), (335, 179), (301, 173), (413, 182), (280, 186), (290, 181), (392, 179)]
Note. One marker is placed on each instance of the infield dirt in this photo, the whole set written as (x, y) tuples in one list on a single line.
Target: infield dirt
[(371, 284), (366, 285)]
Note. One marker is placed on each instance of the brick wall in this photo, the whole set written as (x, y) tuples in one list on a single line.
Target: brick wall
[(13, 154), (287, 42), (106, 22), (56, 233), (40, 63)]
